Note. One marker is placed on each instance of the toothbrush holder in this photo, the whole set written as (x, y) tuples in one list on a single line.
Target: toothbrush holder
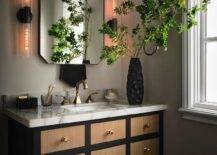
[(46, 100)]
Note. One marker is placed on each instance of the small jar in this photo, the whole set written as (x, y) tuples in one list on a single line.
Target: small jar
[(111, 95), (46, 100)]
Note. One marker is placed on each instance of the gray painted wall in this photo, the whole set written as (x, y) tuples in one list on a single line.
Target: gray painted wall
[(21, 74), (162, 74), (30, 74)]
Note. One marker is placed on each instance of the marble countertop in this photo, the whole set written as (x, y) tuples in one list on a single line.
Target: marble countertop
[(56, 115)]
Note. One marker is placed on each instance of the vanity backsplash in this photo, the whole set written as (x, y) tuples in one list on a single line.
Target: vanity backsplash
[(57, 97)]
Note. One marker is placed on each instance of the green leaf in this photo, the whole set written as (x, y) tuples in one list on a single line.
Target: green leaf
[(157, 19), (68, 44)]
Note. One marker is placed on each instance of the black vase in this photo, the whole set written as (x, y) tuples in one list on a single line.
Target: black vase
[(135, 85)]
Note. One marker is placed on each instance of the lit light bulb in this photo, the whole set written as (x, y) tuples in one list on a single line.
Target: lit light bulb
[(24, 36), (114, 5), (26, 3), (26, 39)]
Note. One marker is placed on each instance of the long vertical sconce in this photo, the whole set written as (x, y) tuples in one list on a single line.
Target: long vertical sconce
[(114, 5), (24, 17), (113, 22)]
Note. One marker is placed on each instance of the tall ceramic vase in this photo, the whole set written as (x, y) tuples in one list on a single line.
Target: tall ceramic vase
[(135, 85)]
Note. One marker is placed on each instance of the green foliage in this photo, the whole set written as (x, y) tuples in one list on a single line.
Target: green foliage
[(157, 19), (114, 52), (125, 7), (69, 45)]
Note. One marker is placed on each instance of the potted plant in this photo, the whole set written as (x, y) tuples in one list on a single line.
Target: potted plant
[(157, 19)]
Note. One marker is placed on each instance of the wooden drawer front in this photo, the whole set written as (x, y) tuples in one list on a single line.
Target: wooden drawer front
[(145, 124), (108, 131), (117, 150), (62, 139), (147, 147)]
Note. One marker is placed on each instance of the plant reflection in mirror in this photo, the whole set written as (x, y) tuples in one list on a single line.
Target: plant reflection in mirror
[(157, 19), (68, 43)]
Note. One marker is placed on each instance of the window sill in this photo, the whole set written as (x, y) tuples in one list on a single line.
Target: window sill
[(200, 115)]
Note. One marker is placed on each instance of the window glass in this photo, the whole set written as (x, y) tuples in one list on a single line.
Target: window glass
[(211, 72), (212, 19)]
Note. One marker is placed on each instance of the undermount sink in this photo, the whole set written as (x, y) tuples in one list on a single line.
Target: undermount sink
[(92, 107), (80, 109)]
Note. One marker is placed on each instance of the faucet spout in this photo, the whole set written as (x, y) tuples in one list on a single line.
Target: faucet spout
[(89, 98), (77, 99)]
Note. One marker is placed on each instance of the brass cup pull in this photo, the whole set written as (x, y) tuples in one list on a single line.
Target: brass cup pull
[(147, 149), (146, 126), (109, 132), (64, 140)]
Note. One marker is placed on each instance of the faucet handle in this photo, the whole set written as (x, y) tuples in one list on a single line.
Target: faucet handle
[(85, 86), (89, 98), (65, 100)]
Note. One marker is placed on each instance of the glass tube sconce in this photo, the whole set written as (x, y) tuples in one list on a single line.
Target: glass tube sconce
[(113, 22), (24, 17), (110, 16), (114, 5)]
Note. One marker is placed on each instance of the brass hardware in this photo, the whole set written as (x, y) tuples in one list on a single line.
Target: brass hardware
[(77, 99), (146, 126), (65, 101), (64, 139), (109, 132), (89, 98), (147, 149)]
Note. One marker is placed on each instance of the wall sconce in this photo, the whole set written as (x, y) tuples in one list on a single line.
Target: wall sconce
[(24, 17), (113, 24)]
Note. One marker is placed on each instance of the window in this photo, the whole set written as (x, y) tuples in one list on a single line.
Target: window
[(200, 63), (210, 40)]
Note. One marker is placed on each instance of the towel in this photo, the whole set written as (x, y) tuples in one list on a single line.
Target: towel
[(72, 74)]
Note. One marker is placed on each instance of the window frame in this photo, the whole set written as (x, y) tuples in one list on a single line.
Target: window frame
[(194, 105)]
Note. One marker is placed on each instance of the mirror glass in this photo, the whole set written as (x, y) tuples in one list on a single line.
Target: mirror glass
[(69, 31)]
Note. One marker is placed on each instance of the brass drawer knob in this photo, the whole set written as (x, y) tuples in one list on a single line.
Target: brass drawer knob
[(109, 132), (64, 140), (147, 126), (147, 149)]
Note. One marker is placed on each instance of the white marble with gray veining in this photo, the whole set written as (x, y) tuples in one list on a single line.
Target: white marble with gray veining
[(69, 114)]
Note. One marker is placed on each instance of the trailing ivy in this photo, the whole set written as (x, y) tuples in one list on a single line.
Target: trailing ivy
[(157, 19)]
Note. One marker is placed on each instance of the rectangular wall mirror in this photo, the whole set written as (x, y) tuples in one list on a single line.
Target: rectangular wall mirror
[(69, 33)]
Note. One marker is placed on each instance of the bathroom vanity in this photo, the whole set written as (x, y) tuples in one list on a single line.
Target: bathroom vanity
[(90, 129)]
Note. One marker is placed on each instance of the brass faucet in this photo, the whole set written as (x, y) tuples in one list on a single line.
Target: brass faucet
[(89, 98), (77, 99), (65, 101)]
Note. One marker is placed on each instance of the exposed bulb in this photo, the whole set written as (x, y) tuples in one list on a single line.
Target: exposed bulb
[(26, 2), (114, 5), (26, 39)]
